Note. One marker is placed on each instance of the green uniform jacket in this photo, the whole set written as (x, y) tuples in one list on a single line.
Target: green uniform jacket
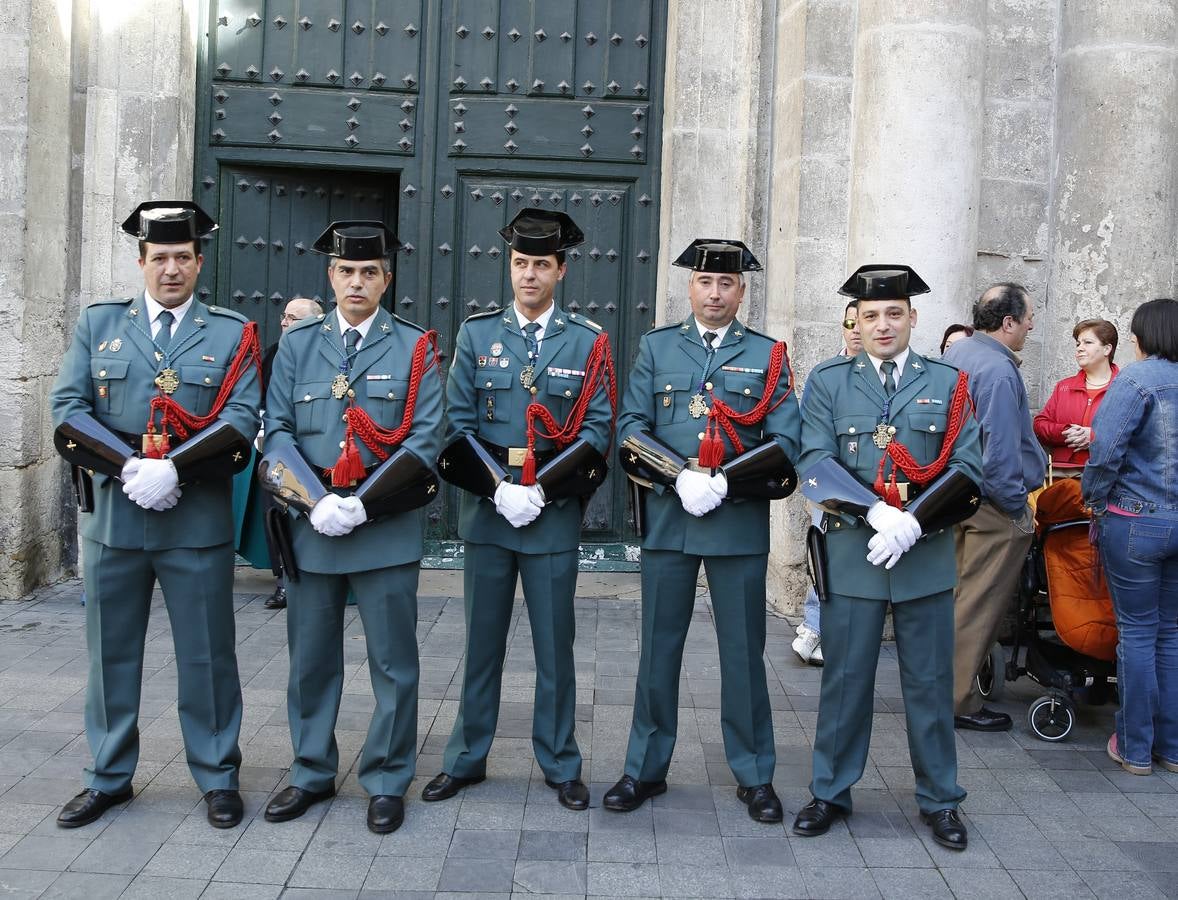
[(109, 371), (843, 404), (666, 374), (300, 409), (485, 398)]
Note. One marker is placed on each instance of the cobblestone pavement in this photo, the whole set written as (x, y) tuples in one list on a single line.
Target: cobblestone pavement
[(1045, 820)]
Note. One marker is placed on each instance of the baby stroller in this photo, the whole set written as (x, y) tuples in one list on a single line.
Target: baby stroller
[(1065, 629)]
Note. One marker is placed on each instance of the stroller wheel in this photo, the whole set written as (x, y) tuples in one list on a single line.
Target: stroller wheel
[(991, 677), (1051, 717)]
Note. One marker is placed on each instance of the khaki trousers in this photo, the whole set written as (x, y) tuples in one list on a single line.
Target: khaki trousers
[(991, 548)]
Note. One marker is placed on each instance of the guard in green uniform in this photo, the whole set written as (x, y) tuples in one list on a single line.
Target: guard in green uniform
[(355, 393), (709, 429), (155, 405), (529, 421), (891, 452)]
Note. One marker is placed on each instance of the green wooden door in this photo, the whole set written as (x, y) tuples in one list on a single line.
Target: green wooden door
[(445, 118)]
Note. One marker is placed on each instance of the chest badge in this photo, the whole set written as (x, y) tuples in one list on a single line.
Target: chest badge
[(339, 386), (116, 345), (697, 407), (167, 380), (496, 349), (102, 346), (527, 376), (883, 434)]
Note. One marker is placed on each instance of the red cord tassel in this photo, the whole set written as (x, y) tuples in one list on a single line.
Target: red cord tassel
[(349, 468), (711, 448), (528, 476)]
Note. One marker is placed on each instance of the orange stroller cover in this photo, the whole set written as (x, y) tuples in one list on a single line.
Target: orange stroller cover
[(1081, 608)]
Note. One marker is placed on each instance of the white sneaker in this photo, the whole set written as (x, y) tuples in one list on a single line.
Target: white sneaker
[(807, 646)]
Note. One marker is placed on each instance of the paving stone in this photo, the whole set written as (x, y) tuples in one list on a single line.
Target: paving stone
[(552, 845), (257, 866), (328, 870), (484, 845), (550, 877), (828, 883), (50, 852), (71, 885), (153, 887), (493, 875), (901, 884), (186, 861), (403, 873), (623, 879)]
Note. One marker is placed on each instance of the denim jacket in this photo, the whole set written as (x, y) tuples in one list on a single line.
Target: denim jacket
[(1133, 462)]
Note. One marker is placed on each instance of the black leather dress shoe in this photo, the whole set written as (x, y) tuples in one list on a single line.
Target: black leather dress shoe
[(629, 794), (225, 808), (816, 817), (762, 802), (385, 813), (984, 720), (571, 794), (292, 802), (444, 786), (88, 806), (948, 830), (277, 600)]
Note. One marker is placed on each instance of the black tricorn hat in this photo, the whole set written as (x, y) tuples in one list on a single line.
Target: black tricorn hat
[(168, 222), (884, 282), (541, 232), (717, 255), (359, 239)]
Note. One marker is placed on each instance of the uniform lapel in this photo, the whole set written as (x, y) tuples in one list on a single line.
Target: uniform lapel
[(866, 379), (554, 339), (373, 346), (331, 343), (511, 337), (912, 381), (191, 330), (731, 346), (691, 344), (138, 330)]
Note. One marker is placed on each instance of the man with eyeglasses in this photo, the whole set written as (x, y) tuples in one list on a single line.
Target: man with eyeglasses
[(808, 644), (297, 309)]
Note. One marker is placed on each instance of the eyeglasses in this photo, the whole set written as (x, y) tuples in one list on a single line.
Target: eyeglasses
[(287, 317), (850, 324)]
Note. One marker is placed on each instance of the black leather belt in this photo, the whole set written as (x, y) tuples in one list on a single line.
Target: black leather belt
[(514, 456)]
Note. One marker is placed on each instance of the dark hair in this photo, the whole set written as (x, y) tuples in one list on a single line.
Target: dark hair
[(1155, 325), (996, 303), (952, 330), (559, 254), (143, 248), (1105, 331), (852, 304)]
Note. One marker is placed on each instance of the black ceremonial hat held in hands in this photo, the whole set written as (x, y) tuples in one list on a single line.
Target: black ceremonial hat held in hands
[(717, 255), (356, 240), (168, 222), (884, 282), (540, 232)]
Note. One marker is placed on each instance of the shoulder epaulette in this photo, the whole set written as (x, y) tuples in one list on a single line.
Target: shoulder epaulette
[(306, 322), (929, 361), (831, 363), (485, 314), (672, 326), (121, 301), (408, 324), (581, 320), (228, 313)]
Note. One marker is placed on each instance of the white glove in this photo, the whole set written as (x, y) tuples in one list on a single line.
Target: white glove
[(719, 484), (536, 493), (878, 550), (354, 511), (696, 492), (153, 484), (897, 530), (516, 504), (331, 518), (130, 467)]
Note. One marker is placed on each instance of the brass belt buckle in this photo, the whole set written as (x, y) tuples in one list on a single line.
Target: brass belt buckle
[(153, 443), (515, 456), (902, 487)]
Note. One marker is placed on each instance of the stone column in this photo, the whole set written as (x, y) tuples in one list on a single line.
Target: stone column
[(713, 169), (1113, 209), (38, 140), (916, 148)]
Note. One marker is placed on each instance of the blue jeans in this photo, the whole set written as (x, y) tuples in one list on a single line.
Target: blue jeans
[(1140, 557), (811, 611)]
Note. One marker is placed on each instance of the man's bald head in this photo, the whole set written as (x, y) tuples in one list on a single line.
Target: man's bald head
[(299, 308)]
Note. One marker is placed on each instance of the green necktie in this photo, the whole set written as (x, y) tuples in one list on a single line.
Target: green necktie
[(164, 336), (889, 384)]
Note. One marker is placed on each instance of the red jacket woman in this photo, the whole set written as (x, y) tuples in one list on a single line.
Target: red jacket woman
[(1064, 426)]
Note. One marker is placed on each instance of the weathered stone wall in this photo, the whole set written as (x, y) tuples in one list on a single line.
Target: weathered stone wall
[(981, 140), (98, 113)]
